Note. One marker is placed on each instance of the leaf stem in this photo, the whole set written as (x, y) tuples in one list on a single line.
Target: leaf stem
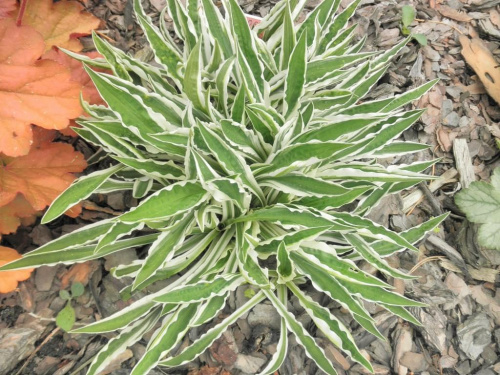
[(22, 9)]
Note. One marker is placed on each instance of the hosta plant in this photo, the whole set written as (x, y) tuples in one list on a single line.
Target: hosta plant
[(254, 158)]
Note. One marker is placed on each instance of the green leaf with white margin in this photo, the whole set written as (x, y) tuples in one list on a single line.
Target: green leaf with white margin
[(332, 328), (323, 68), (288, 41), (481, 203), (376, 294), (153, 168), (120, 319), (323, 12), (110, 54), (167, 202), (117, 231), (192, 85), (279, 356), (231, 161), (292, 240), (245, 41), (202, 290), (335, 201), (222, 81), (302, 155), (129, 336), (228, 189), (218, 27), (76, 254), (296, 77), (338, 267), (402, 313), (166, 338), (411, 235), (285, 266), (204, 342), (303, 186), (339, 22), (368, 228), (163, 249), (329, 285), (312, 350), (141, 111), (238, 107), (79, 237), (79, 190), (341, 126), (210, 310), (289, 215), (164, 51), (244, 139), (372, 257)]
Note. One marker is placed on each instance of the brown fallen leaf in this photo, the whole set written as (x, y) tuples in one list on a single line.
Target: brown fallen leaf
[(479, 57)]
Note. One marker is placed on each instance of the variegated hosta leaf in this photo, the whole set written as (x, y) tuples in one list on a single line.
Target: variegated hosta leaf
[(254, 157)]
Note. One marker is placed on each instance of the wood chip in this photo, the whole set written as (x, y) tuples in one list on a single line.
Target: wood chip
[(463, 162), (454, 14)]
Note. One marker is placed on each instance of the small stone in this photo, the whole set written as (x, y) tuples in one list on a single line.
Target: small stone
[(249, 364), (41, 234), (116, 201), (454, 91), (452, 120), (44, 276), (264, 314), (489, 355), (474, 335), (122, 257), (464, 121), (446, 108), (414, 361)]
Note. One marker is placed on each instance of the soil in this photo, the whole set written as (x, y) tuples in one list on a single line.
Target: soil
[(459, 281)]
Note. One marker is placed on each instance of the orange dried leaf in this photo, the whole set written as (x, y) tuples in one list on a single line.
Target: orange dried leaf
[(59, 22), (32, 91), (41, 175), (80, 273), (10, 279), (7, 7), (12, 213)]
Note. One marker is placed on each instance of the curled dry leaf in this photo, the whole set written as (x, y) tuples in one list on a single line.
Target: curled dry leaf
[(32, 91), (10, 279), (60, 23), (479, 57)]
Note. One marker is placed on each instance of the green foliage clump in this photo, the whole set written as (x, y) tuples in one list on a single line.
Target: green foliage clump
[(244, 147)]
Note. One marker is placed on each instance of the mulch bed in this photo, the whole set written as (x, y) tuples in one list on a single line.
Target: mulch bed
[(458, 279)]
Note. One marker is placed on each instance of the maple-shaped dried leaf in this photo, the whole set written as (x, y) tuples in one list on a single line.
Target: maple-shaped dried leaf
[(60, 23), (14, 213), (7, 7), (10, 279), (78, 74), (32, 91), (41, 175)]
